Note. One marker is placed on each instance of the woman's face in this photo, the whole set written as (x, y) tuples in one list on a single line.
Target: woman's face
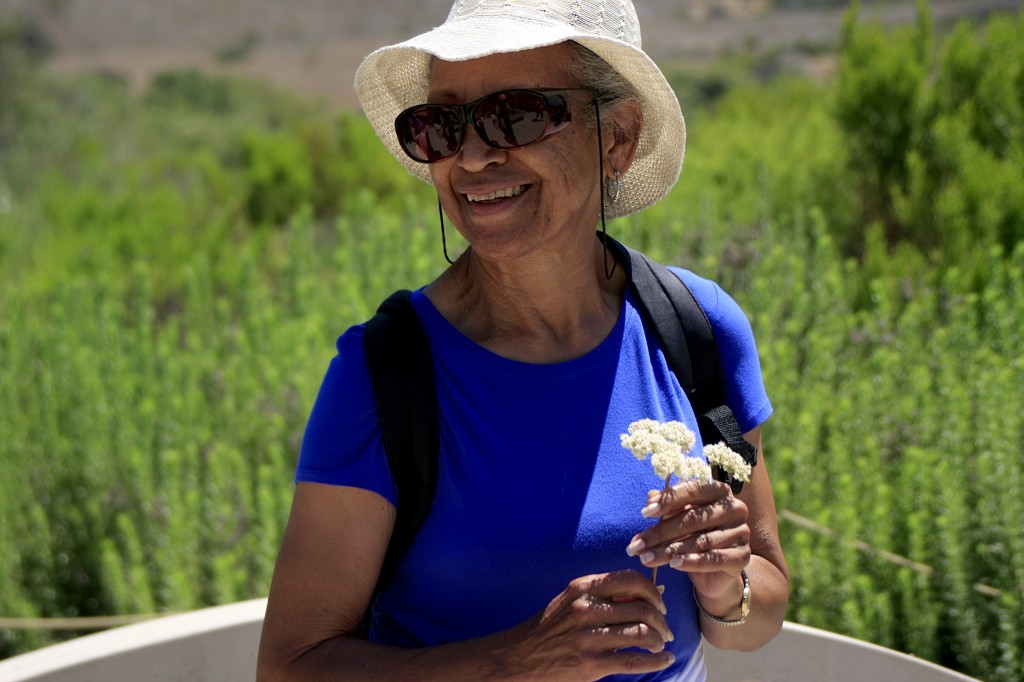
[(511, 203)]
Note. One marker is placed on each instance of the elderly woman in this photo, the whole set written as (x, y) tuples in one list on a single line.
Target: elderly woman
[(534, 120)]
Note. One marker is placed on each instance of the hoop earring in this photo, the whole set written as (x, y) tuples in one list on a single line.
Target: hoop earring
[(444, 241), (612, 187)]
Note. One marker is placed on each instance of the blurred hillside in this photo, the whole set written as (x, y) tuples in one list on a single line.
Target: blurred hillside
[(314, 46)]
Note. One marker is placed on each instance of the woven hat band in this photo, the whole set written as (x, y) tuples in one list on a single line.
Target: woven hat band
[(613, 19)]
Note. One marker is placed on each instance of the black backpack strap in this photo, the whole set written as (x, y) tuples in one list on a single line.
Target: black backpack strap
[(402, 374), (685, 335)]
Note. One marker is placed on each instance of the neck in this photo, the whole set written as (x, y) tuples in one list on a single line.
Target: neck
[(548, 307)]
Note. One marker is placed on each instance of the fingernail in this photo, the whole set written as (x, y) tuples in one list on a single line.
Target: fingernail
[(637, 545), (647, 557), (661, 589), (671, 636), (677, 561), (653, 509), (664, 611)]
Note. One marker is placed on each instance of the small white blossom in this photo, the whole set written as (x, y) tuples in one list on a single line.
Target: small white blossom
[(727, 460), (680, 434), (693, 469), (664, 463), (668, 445), (644, 438)]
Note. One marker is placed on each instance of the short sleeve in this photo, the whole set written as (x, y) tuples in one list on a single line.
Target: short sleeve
[(342, 443), (745, 392)]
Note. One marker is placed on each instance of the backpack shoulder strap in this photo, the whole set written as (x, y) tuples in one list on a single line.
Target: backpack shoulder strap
[(684, 333), (402, 374)]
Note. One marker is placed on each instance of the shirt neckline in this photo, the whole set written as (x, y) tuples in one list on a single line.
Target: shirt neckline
[(448, 342)]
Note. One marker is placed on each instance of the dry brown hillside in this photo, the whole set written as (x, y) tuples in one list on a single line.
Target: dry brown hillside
[(314, 46)]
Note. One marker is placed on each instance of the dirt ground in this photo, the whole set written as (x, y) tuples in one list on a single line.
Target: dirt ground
[(314, 46)]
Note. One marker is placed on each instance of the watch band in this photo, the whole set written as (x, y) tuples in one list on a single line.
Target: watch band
[(744, 605)]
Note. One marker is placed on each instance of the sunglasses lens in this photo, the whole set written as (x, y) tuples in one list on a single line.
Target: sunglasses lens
[(430, 132), (505, 120), (512, 119)]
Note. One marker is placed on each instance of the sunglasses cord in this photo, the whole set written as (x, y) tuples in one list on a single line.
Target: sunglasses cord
[(608, 273), (444, 241)]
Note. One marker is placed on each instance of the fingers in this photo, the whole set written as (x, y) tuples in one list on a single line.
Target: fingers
[(638, 622), (702, 528), (729, 560), (626, 636), (684, 495), (622, 586), (631, 662), (599, 625), (625, 599)]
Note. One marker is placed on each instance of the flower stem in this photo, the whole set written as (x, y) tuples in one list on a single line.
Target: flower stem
[(668, 486)]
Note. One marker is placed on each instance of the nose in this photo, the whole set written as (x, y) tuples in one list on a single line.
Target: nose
[(476, 154)]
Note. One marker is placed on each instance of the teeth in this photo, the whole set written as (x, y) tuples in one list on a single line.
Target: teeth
[(498, 194)]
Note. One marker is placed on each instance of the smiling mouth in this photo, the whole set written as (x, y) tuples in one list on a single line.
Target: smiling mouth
[(497, 194)]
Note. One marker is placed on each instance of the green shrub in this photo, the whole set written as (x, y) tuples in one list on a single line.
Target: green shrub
[(193, 90), (879, 106), (935, 139), (279, 177)]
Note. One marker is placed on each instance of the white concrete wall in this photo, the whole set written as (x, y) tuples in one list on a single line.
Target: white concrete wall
[(219, 645), (803, 654), (210, 645)]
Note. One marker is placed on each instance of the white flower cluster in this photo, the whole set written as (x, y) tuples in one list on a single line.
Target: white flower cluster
[(668, 445), (728, 460)]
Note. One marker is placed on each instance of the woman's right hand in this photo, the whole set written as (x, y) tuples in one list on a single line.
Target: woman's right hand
[(599, 625)]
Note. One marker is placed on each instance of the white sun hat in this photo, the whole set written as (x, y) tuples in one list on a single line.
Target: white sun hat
[(396, 77)]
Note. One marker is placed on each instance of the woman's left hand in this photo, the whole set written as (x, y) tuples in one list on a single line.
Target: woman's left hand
[(702, 530), (711, 534)]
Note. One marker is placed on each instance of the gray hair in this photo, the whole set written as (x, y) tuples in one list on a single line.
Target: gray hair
[(593, 72)]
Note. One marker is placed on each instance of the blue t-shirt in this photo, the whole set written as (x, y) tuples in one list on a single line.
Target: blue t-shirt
[(534, 486)]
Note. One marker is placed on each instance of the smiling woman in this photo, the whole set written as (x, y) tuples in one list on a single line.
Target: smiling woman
[(549, 175), (535, 122)]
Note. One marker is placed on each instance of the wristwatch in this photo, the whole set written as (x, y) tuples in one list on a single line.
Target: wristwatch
[(744, 605)]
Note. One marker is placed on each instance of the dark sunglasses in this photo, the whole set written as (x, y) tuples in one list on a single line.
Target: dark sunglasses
[(507, 119)]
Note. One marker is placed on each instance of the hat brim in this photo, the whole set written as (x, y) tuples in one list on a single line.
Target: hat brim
[(396, 77)]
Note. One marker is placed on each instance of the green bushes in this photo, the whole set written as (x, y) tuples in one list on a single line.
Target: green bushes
[(22, 46), (191, 90), (878, 108), (278, 177), (895, 426), (936, 138), (172, 284), (148, 442)]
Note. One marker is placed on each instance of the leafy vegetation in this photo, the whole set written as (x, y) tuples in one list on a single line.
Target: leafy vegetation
[(174, 270)]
